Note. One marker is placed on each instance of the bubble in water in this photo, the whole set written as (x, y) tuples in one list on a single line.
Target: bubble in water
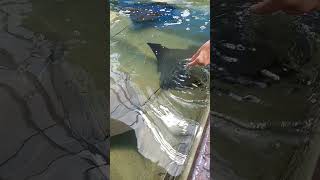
[(240, 47), (230, 59), (230, 46), (185, 13)]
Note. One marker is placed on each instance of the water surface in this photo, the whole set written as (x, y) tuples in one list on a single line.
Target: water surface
[(265, 93), (165, 120)]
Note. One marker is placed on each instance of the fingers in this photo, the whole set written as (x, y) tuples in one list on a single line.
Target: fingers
[(195, 56), (265, 7), (193, 63)]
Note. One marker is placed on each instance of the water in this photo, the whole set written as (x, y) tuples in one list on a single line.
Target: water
[(265, 91), (53, 98), (166, 119)]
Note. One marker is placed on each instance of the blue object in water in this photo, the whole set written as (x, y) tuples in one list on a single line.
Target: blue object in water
[(149, 12)]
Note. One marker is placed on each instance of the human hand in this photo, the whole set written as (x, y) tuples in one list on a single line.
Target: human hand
[(202, 56), (288, 6)]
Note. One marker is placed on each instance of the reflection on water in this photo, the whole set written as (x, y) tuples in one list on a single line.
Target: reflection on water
[(152, 90), (265, 91)]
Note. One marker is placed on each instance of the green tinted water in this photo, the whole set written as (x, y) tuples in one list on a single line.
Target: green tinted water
[(81, 27), (128, 47), (276, 136), (128, 163)]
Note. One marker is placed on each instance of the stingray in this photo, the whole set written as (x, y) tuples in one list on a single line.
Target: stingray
[(172, 66), (163, 126), (164, 129), (174, 75), (149, 12)]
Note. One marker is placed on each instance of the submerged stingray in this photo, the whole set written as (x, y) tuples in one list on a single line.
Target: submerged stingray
[(172, 65), (163, 121), (147, 12), (173, 75)]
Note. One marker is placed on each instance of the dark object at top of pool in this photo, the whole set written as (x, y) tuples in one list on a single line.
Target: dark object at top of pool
[(149, 12), (172, 67)]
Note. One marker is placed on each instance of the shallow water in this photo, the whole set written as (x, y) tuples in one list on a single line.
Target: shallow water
[(265, 91), (166, 121)]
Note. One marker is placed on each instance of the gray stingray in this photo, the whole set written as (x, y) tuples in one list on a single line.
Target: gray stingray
[(174, 73), (163, 125)]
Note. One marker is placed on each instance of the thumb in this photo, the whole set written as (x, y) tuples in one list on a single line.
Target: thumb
[(265, 7)]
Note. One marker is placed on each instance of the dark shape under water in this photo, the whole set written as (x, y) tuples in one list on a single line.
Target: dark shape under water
[(150, 12), (173, 70)]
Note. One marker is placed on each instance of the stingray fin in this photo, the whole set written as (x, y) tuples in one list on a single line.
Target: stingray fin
[(157, 49)]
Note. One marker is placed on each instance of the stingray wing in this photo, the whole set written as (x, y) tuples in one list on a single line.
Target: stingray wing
[(172, 66)]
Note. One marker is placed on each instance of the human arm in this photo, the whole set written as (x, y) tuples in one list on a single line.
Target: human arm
[(202, 56)]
